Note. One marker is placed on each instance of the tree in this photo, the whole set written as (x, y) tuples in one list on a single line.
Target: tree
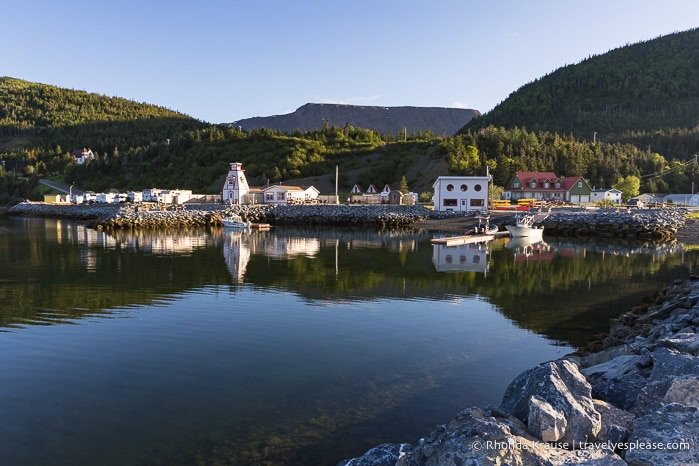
[(404, 185), (628, 186)]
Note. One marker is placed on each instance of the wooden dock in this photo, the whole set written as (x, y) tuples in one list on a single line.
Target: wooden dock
[(467, 239)]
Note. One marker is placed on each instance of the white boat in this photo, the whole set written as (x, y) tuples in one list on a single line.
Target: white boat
[(235, 222), (524, 227)]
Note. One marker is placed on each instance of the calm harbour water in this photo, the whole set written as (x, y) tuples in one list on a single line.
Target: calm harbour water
[(294, 346)]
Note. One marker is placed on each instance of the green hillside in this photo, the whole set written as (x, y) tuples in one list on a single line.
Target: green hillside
[(38, 115), (630, 92)]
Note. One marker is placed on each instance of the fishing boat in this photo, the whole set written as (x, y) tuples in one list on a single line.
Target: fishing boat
[(525, 227), (484, 227), (235, 222)]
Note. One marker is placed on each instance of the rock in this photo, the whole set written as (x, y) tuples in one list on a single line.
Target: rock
[(666, 437), (616, 368), (544, 421), (561, 384), (683, 341), (388, 454), (616, 423), (668, 366), (683, 390), (622, 392)]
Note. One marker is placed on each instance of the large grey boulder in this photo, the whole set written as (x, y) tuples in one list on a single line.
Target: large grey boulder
[(565, 389), (545, 421), (666, 437), (668, 365)]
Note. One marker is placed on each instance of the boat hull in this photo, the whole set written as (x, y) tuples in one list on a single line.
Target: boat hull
[(519, 231)]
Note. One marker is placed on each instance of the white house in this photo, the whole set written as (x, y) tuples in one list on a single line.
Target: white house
[(105, 198), (356, 189), (152, 194), (83, 155), (683, 200), (613, 195), (285, 194), (135, 196), (236, 185), (461, 193)]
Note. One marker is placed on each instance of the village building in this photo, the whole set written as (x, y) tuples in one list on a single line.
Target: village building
[(612, 195), (287, 194), (461, 193), (236, 185), (683, 200), (547, 186), (83, 155)]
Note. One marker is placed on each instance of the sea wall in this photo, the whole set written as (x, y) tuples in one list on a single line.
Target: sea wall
[(659, 224), (132, 216), (631, 398)]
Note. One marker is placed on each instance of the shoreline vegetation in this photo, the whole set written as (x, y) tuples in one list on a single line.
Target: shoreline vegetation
[(647, 224)]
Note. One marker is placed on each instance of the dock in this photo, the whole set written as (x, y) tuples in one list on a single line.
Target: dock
[(467, 239), (260, 226)]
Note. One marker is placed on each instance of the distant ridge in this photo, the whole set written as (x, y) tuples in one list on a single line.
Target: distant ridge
[(646, 86), (387, 120)]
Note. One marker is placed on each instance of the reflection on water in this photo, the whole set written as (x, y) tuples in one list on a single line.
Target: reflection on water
[(292, 346), (471, 257)]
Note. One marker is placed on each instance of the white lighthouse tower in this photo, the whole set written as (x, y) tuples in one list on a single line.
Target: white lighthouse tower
[(236, 185)]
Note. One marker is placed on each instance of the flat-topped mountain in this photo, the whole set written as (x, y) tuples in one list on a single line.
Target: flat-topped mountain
[(386, 120)]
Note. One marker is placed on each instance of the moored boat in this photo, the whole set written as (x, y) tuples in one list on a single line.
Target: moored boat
[(525, 227), (235, 222)]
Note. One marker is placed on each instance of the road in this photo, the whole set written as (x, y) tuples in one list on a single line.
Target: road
[(60, 187)]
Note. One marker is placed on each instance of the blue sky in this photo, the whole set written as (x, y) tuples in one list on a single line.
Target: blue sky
[(221, 61)]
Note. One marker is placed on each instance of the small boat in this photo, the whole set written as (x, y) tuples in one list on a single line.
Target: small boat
[(524, 227), (484, 227), (235, 222)]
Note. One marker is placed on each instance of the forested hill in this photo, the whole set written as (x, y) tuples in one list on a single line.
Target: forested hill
[(641, 87), (41, 115), (385, 120)]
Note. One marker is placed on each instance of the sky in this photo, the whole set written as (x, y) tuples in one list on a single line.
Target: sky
[(220, 61)]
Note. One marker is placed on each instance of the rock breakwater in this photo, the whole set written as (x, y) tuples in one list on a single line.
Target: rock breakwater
[(661, 224), (632, 398)]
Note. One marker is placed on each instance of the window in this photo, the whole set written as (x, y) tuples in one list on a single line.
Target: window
[(558, 184), (464, 187), (515, 184), (579, 184), (281, 195), (533, 184), (269, 196), (547, 185), (450, 187), (477, 187), (477, 202), (449, 203)]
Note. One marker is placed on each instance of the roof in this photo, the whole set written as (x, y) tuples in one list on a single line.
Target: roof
[(540, 177), (285, 187), (569, 181)]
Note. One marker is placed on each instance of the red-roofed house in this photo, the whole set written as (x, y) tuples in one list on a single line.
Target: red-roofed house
[(547, 186)]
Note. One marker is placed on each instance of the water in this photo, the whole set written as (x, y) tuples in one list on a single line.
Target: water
[(286, 347)]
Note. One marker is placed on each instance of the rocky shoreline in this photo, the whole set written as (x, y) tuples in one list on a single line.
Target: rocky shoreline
[(659, 224), (631, 398)]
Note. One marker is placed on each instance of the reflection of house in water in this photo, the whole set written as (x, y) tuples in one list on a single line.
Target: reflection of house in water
[(471, 257), (278, 246), (236, 253), (526, 250)]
